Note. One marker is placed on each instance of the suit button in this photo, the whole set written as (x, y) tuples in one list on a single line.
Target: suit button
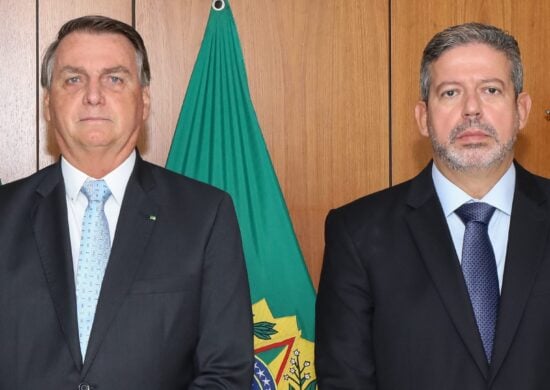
[(84, 386)]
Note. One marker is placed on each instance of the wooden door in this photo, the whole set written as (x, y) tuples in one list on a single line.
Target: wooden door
[(414, 23)]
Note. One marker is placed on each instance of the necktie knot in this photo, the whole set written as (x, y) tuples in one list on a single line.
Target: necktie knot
[(96, 191), (475, 212)]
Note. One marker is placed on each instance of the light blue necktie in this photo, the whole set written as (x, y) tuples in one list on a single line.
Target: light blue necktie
[(480, 269), (95, 246)]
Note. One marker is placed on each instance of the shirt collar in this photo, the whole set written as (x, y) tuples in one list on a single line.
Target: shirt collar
[(116, 180), (452, 197)]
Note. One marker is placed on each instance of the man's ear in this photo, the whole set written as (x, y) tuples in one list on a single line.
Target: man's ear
[(421, 115), (523, 103), (47, 105), (145, 95)]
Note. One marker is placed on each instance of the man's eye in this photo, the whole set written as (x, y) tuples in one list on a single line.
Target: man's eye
[(449, 93), (115, 80), (493, 90), (73, 80)]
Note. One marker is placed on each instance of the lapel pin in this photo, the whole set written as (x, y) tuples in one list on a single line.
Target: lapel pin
[(152, 217)]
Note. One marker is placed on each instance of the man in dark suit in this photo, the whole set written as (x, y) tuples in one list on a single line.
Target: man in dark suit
[(418, 291), (167, 305)]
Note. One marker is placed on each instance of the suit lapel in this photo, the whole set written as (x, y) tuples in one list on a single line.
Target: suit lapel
[(49, 219), (529, 227), (132, 235), (431, 233)]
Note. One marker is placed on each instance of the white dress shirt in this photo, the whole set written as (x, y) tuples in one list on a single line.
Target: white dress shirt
[(77, 202), (500, 196)]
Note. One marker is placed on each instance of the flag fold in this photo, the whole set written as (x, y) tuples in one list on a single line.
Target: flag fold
[(218, 140)]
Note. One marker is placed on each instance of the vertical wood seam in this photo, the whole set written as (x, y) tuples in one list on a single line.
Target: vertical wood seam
[(390, 106), (133, 5)]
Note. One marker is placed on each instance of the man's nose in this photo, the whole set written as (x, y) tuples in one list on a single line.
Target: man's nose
[(472, 106), (93, 94)]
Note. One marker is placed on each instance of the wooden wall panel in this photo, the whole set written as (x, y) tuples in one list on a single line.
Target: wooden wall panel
[(18, 86), (52, 14), (413, 24), (318, 76), (172, 31), (531, 27)]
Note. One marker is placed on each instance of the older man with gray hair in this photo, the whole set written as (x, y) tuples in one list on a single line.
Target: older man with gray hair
[(116, 273)]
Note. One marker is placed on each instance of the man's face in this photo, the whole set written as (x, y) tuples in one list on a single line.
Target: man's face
[(472, 115), (96, 102)]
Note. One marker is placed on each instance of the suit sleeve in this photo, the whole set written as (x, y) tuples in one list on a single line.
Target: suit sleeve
[(344, 310), (224, 353)]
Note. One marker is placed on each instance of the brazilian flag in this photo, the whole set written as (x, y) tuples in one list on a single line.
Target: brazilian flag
[(218, 140)]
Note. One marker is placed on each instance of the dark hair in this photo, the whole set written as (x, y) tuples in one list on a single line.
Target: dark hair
[(464, 34), (97, 24)]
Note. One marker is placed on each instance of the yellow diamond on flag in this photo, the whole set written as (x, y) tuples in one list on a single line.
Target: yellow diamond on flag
[(281, 350)]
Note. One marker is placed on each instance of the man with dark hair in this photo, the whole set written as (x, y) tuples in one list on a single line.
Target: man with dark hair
[(442, 282), (115, 273)]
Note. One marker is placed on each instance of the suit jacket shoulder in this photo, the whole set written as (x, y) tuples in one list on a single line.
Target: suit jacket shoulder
[(173, 186), (388, 205)]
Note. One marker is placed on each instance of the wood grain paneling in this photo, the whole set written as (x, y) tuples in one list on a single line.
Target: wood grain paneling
[(18, 86), (531, 26), (318, 76), (413, 25), (172, 31), (52, 15)]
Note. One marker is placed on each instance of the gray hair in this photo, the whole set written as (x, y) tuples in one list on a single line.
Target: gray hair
[(464, 34), (97, 24)]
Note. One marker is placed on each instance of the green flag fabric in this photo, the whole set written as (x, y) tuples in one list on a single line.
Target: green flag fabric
[(218, 140)]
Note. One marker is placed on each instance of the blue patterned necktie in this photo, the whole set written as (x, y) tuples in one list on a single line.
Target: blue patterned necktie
[(480, 270), (95, 246)]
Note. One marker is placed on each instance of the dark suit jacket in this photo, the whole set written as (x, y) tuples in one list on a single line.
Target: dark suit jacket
[(174, 309), (393, 311)]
